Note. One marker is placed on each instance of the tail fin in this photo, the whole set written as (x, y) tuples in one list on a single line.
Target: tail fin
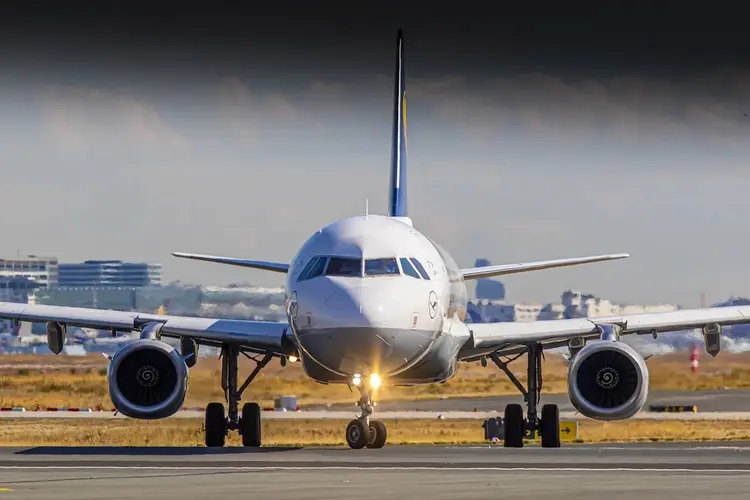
[(397, 198)]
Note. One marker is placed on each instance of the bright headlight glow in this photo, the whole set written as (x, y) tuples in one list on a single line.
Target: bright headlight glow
[(374, 381), (357, 379)]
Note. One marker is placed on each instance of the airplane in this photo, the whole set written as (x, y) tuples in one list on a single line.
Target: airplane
[(371, 300)]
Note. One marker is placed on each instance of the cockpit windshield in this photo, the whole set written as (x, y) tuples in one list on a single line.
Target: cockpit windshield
[(381, 267), (342, 266), (352, 267)]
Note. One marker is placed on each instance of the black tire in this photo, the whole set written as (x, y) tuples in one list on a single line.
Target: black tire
[(550, 426), (513, 426), (357, 434), (250, 425), (216, 425), (378, 434)]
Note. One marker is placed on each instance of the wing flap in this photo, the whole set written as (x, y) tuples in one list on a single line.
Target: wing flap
[(277, 267), (258, 334), (503, 269)]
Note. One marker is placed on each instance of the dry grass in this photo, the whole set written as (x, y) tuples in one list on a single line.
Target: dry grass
[(64, 381), (189, 432)]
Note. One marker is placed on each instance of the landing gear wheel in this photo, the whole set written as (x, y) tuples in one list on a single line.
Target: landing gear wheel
[(513, 426), (357, 434), (550, 426), (250, 425), (216, 425), (377, 435)]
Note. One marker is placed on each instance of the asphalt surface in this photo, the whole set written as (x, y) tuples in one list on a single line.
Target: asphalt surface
[(664, 471), (706, 401)]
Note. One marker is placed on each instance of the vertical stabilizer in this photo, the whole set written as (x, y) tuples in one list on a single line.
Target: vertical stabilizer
[(397, 196)]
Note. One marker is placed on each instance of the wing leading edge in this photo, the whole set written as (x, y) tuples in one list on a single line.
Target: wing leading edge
[(502, 269), (489, 337), (267, 336), (277, 267)]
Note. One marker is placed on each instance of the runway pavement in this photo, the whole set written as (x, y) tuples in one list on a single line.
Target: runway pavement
[(581, 472), (706, 401)]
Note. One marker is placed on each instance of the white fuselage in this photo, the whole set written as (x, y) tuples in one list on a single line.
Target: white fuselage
[(371, 294)]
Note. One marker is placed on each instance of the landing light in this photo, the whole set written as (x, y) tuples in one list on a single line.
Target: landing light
[(292, 359), (357, 379), (374, 381)]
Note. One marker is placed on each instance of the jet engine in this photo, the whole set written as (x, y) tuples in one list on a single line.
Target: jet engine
[(608, 380), (148, 379)]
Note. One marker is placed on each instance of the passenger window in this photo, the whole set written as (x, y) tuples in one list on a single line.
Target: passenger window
[(408, 268), (420, 268), (381, 267), (340, 266), (308, 267), (317, 269)]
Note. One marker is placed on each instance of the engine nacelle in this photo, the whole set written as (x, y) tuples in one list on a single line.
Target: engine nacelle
[(148, 379), (608, 380)]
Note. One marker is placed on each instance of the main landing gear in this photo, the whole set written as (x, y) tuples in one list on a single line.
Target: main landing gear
[(248, 425), (516, 428), (363, 432)]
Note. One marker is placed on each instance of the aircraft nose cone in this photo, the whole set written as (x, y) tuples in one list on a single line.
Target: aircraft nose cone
[(347, 303), (359, 304), (352, 327), (376, 303)]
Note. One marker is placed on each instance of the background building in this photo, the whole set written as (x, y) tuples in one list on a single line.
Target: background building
[(14, 289), (109, 273), (42, 270)]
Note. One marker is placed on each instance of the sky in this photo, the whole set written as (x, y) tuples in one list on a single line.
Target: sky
[(129, 134)]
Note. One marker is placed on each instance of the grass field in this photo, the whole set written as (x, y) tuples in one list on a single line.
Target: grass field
[(66, 381), (189, 432)]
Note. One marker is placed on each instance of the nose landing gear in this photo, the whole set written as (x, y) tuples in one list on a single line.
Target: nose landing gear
[(363, 432)]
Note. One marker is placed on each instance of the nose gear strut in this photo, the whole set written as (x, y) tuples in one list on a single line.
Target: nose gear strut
[(363, 432)]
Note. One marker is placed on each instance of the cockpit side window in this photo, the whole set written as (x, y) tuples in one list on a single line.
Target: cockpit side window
[(306, 270), (342, 266), (420, 268), (408, 268), (313, 268), (318, 268), (381, 267)]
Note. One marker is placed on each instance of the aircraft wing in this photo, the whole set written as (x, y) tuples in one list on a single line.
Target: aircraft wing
[(490, 337), (499, 270), (265, 336), (278, 267)]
